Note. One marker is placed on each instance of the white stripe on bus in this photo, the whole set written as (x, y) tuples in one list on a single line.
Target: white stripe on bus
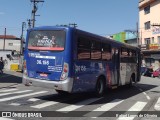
[(78, 105), (21, 96), (47, 57)]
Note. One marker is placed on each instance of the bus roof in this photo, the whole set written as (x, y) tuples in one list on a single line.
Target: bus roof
[(104, 39)]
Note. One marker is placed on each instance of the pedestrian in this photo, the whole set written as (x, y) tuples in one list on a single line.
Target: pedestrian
[(1, 65)]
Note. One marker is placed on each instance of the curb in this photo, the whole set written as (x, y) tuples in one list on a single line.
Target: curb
[(157, 105)]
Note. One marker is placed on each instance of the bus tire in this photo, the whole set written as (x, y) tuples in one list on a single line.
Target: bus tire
[(60, 92), (100, 87), (131, 81)]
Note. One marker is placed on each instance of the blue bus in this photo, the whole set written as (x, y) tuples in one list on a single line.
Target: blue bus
[(71, 60)]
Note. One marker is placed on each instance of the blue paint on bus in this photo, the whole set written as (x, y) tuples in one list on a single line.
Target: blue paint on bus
[(72, 60)]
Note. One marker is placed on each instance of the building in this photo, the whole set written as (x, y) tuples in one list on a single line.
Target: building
[(149, 31), (10, 42), (10, 48), (128, 36)]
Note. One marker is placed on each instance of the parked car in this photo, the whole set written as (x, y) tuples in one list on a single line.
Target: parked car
[(156, 73)]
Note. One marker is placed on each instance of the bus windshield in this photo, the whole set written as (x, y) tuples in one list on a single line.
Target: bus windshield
[(46, 40)]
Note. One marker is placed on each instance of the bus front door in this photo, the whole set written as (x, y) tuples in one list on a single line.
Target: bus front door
[(116, 66)]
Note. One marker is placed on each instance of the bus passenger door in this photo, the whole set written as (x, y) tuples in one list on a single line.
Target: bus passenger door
[(123, 65), (115, 66)]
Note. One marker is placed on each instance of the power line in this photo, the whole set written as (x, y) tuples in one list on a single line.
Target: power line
[(34, 10)]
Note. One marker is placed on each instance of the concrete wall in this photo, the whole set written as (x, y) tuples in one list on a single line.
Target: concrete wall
[(11, 44), (8, 61)]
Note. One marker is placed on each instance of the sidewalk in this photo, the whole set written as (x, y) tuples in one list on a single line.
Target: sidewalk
[(10, 78)]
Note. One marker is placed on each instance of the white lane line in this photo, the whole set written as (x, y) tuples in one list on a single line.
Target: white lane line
[(140, 89), (7, 90), (15, 104), (21, 96), (5, 76), (146, 95), (106, 107), (157, 105), (138, 106), (3, 94), (78, 105), (45, 104), (33, 99)]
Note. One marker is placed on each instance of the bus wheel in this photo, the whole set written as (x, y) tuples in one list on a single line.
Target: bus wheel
[(100, 87), (131, 81), (60, 92)]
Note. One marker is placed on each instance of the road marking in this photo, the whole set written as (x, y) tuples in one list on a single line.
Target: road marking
[(106, 107), (157, 105), (138, 106), (146, 95), (78, 105), (140, 89), (5, 76), (15, 104), (33, 99), (21, 96), (7, 90), (3, 94), (45, 104)]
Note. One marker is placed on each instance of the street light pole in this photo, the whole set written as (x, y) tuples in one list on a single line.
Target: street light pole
[(4, 39)]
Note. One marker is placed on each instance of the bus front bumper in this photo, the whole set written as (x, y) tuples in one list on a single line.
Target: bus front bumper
[(65, 85)]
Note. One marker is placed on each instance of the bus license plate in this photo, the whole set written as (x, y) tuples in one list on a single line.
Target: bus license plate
[(43, 75)]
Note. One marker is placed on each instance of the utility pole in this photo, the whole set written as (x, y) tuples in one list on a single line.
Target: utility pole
[(4, 39), (34, 10), (29, 23), (73, 24), (23, 25), (137, 35)]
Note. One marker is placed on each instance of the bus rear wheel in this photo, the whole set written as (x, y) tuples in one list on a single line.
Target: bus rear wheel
[(60, 92), (131, 81), (100, 87)]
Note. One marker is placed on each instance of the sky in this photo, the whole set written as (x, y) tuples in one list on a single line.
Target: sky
[(102, 17)]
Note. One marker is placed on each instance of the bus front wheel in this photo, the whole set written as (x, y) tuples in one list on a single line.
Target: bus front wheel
[(100, 87)]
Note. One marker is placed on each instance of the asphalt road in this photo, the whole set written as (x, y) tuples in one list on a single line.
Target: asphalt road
[(115, 104)]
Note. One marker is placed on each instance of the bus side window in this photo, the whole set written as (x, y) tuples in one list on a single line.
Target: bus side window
[(132, 56), (124, 55), (83, 48), (95, 50), (106, 51)]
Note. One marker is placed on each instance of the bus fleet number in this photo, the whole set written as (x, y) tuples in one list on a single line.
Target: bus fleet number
[(42, 62)]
